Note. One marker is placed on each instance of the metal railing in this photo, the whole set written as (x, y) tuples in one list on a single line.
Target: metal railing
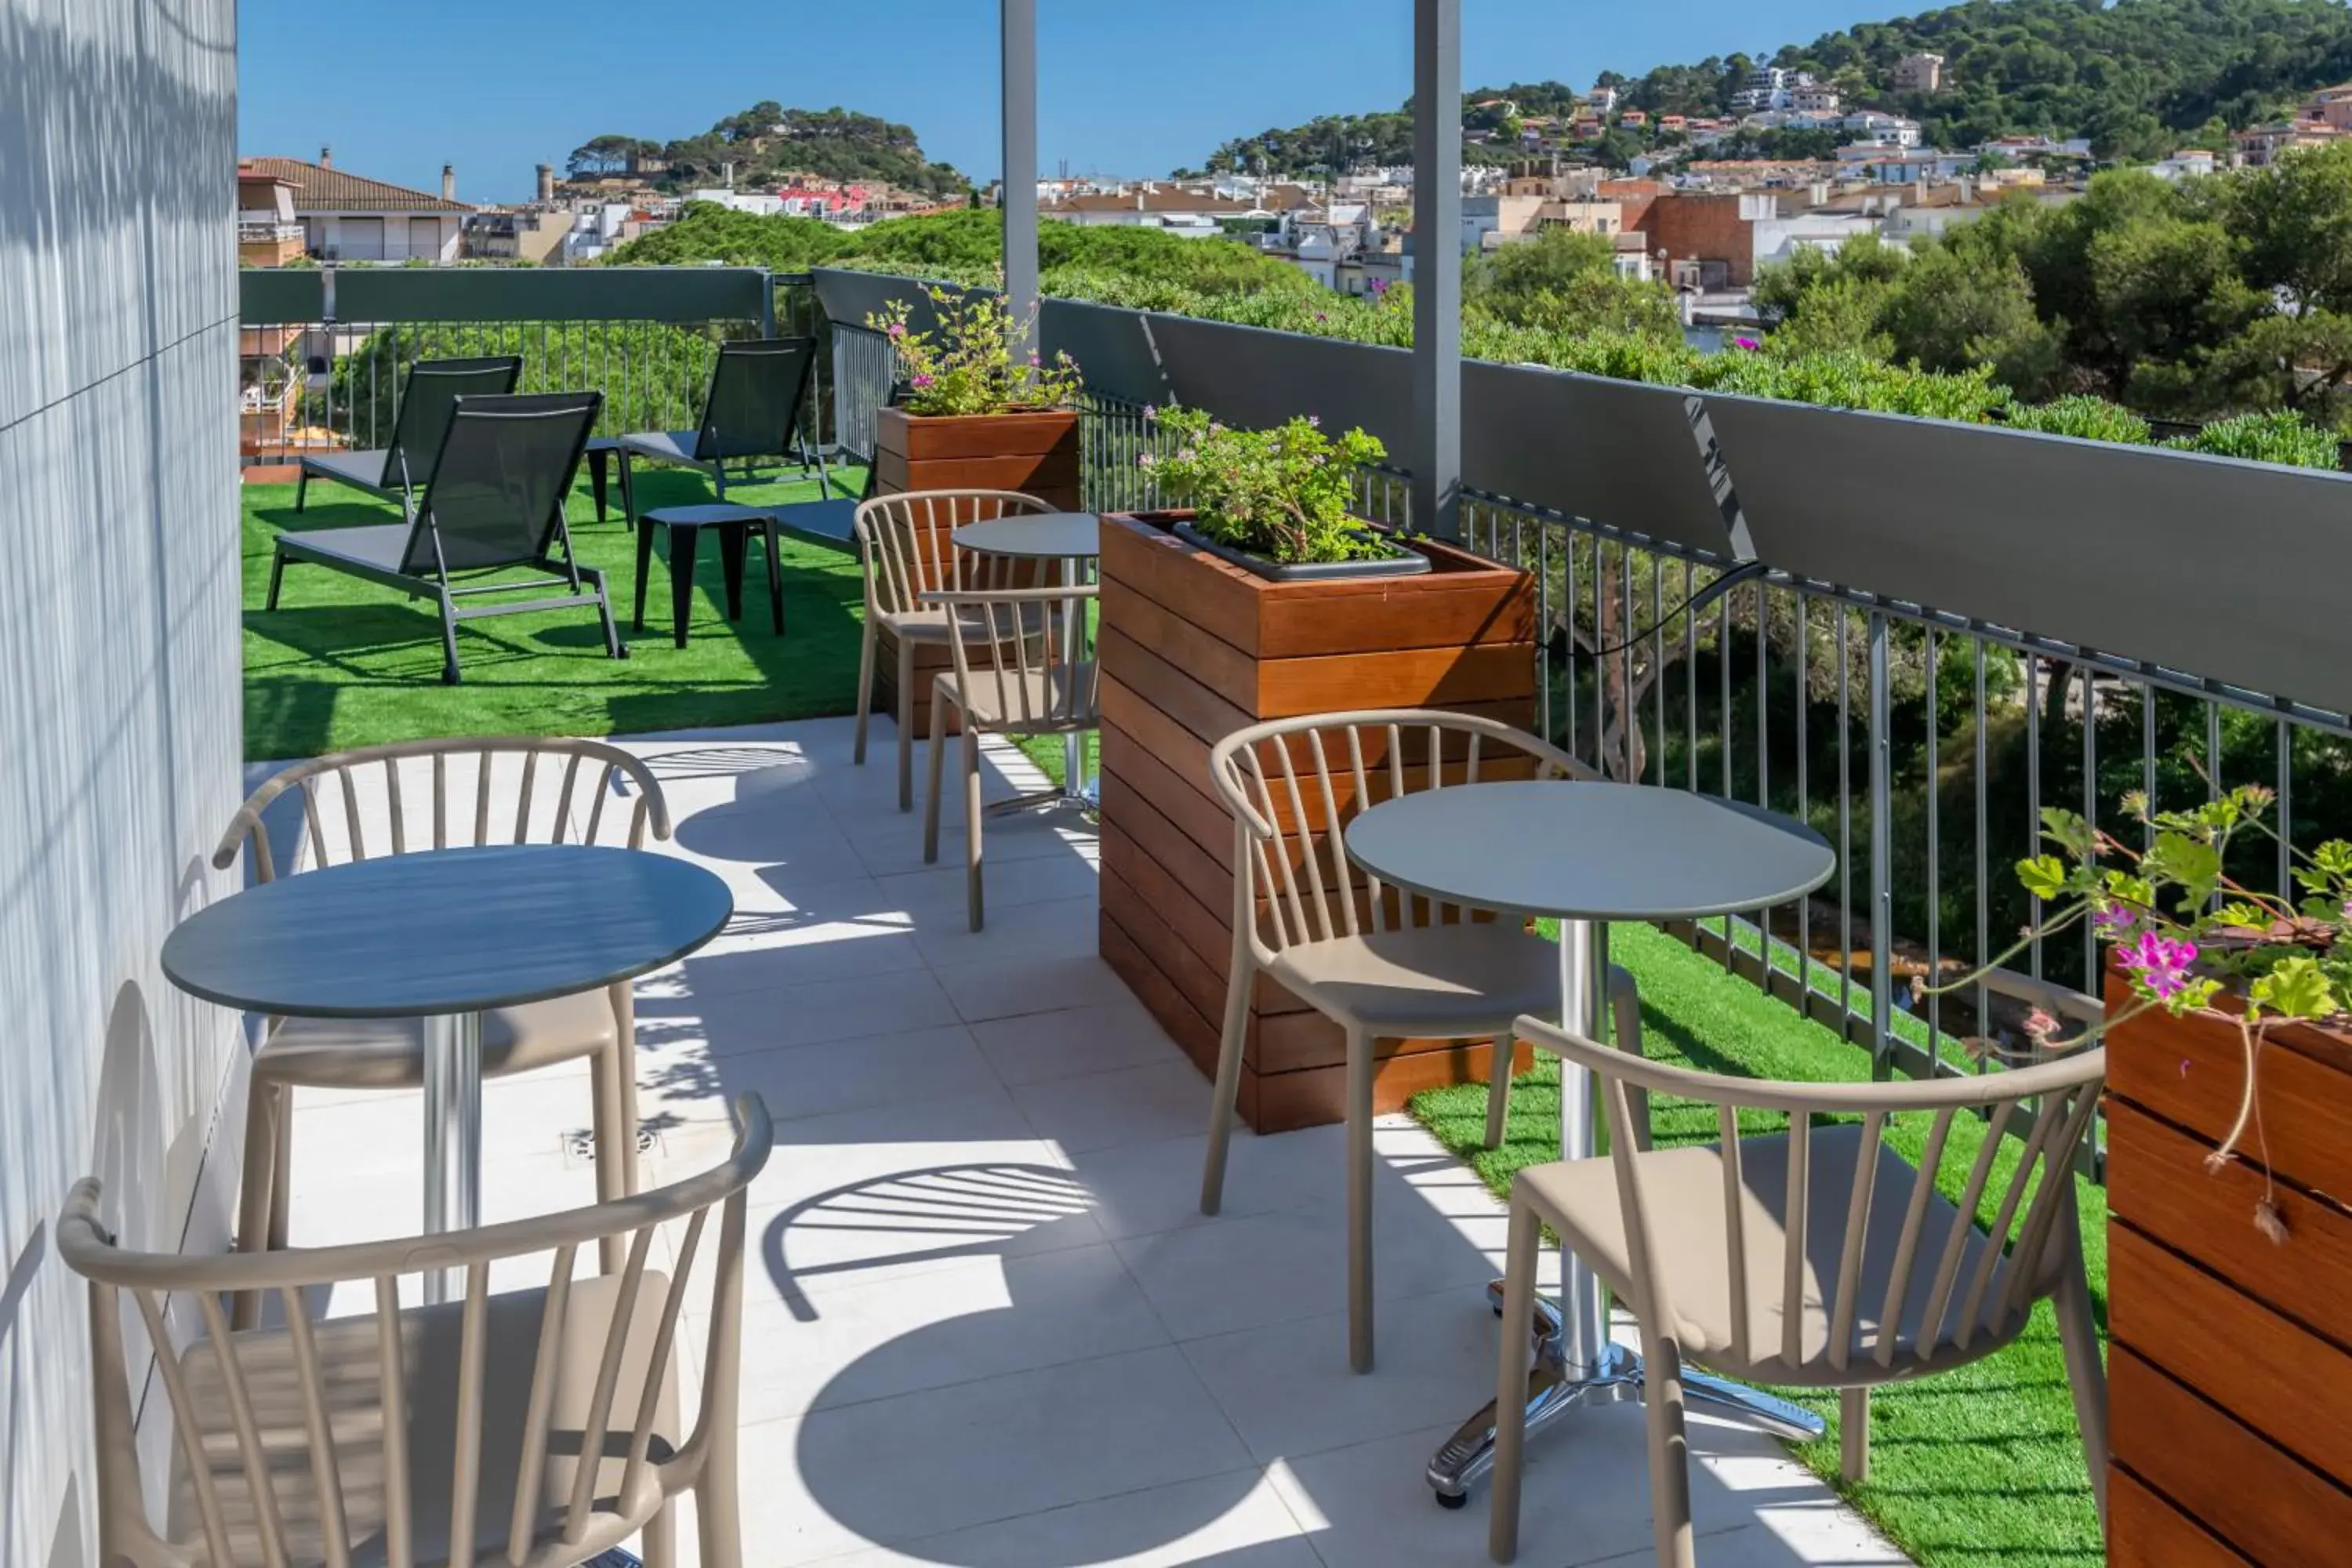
[(645, 337), (1923, 741)]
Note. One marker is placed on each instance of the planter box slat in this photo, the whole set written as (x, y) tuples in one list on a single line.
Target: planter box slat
[(2188, 1071), (1034, 453), (2161, 1184), (2268, 1372), (1458, 606), (1192, 648), (2201, 1304), (2146, 1531), (2198, 1464)]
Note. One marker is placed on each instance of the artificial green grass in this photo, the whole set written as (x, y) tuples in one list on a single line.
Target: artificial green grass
[(343, 662), (1980, 1467)]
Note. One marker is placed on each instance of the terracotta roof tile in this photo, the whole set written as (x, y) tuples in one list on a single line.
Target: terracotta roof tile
[(318, 189)]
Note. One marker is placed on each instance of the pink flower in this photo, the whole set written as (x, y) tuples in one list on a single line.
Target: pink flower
[(1150, 412), (1745, 343), (1314, 421), (921, 381), (2159, 963), (897, 329), (2040, 1025), (2116, 924), (1144, 460)]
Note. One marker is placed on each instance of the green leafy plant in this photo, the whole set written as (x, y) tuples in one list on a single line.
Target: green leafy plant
[(2082, 416), (2278, 437), (2185, 936), (966, 364), (1281, 493)]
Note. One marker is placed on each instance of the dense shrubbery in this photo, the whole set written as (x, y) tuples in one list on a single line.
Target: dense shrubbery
[(1856, 327), (2202, 301)]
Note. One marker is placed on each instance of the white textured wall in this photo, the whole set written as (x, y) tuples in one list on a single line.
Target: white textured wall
[(119, 711)]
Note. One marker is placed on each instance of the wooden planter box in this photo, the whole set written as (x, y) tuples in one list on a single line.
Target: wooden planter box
[(1193, 648), (2230, 1366), (1036, 454)]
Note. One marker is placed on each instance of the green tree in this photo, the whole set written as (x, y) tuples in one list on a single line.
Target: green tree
[(1569, 281)]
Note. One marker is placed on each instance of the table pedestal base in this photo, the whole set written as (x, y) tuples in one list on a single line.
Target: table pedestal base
[(453, 1137), (1553, 1392)]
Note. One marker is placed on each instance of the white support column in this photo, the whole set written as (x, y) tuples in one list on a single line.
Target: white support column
[(1019, 199), (1436, 457)]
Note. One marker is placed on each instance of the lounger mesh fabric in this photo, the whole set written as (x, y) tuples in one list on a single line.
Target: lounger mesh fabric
[(498, 487)]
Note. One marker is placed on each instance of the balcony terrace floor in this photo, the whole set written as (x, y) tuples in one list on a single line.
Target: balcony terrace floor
[(987, 1325)]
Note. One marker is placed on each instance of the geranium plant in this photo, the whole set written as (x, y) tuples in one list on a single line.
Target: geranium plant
[(2184, 934), (1282, 494), (966, 364)]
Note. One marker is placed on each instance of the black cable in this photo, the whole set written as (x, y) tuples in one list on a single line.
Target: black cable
[(1692, 606)]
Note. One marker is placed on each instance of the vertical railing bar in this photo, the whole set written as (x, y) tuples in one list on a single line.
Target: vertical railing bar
[(1845, 821), (1803, 605), (2090, 805), (1882, 850), (1935, 861), (2033, 698), (1983, 814), (2286, 812)]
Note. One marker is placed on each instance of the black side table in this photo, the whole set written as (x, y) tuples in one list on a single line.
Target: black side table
[(599, 452), (734, 525)]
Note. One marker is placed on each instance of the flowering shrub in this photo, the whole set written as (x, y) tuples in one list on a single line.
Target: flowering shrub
[(966, 365), (2183, 933), (1281, 493)]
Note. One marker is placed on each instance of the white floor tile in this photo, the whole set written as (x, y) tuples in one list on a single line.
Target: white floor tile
[(1289, 1392), (732, 1021), (1140, 1189), (1233, 1520), (980, 1318), (1246, 1273), (923, 1463), (1032, 1047), (689, 1084), (1104, 1109), (1009, 988)]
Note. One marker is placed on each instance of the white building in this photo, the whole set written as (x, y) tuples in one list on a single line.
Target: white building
[(1194, 214), (2186, 165), (1771, 87), (1876, 128), (764, 204), (595, 230), (348, 217)]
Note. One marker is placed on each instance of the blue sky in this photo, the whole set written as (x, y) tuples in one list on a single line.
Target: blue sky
[(1127, 87)]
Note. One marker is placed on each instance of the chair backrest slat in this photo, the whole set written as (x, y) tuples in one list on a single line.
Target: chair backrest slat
[(269, 1515), (391, 794), (317, 1397), (1907, 1245), (465, 1451), (184, 1421), (366, 771), (1957, 1234), (1842, 1307), (1798, 1203), (633, 1475), (392, 1379), (1734, 1227), (905, 543), (539, 1411), (599, 1422), (2049, 1116), (1279, 781), (326, 1464), (1991, 1254)]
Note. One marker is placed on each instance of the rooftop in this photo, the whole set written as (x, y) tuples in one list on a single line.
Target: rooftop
[(320, 187)]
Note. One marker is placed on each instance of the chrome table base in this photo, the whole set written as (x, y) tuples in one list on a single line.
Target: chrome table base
[(453, 1136), (1576, 1362), (1552, 1392)]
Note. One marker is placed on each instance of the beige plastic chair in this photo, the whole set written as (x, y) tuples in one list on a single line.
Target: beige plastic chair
[(361, 803), (1009, 679), (1380, 965), (904, 545), (1816, 1258), (279, 1454)]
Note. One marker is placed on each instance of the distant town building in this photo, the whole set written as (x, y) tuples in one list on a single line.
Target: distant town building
[(267, 232), (1919, 73), (348, 218), (2189, 163), (1154, 206), (2324, 118), (1770, 87)]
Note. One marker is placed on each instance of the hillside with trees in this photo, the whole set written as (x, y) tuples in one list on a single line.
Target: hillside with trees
[(767, 141), (2138, 77)]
